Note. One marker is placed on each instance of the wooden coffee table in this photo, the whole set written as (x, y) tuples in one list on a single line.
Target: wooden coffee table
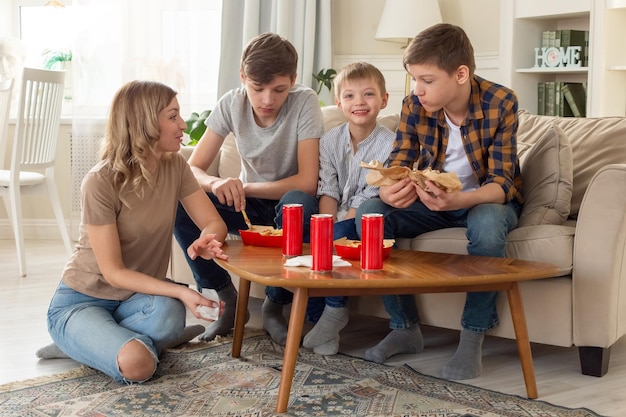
[(404, 272)]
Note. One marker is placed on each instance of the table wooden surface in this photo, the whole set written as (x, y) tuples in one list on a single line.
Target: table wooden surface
[(404, 272)]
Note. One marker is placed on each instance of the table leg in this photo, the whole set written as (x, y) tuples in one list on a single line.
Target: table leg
[(294, 334), (523, 344), (240, 316)]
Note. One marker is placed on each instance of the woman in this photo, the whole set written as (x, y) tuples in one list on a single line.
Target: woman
[(114, 309)]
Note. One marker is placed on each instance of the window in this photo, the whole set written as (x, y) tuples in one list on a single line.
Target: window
[(115, 41)]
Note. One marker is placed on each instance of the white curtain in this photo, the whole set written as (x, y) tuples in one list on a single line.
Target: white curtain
[(116, 41), (177, 43), (161, 40), (306, 23)]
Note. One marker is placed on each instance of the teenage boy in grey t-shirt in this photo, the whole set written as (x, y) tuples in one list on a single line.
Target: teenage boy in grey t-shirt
[(277, 126)]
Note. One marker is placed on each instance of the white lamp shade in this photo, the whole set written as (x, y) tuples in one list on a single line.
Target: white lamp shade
[(403, 19)]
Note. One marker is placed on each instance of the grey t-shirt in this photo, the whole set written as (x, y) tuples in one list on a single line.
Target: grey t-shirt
[(268, 153)]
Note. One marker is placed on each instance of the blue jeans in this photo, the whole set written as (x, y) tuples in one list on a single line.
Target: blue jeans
[(315, 306), (92, 330), (207, 273), (487, 226)]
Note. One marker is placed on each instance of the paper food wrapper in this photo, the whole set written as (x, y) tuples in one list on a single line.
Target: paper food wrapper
[(307, 260), (379, 175), (209, 313)]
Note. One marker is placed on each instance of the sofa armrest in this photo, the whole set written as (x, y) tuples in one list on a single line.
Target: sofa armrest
[(599, 274)]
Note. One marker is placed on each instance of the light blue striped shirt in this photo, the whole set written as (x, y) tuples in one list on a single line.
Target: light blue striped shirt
[(341, 177)]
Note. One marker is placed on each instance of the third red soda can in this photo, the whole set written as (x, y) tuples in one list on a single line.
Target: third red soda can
[(372, 234), (292, 229), (322, 242)]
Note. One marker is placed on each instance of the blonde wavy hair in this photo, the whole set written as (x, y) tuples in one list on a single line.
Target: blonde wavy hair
[(132, 132)]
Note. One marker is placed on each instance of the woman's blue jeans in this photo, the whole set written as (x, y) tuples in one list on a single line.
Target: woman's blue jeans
[(92, 330), (487, 226)]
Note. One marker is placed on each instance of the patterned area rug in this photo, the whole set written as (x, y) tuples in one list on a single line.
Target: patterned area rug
[(202, 379)]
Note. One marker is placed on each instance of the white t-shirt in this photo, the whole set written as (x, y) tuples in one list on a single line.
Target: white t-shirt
[(456, 158), (268, 153)]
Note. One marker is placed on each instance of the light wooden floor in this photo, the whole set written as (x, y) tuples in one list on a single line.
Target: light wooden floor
[(24, 301)]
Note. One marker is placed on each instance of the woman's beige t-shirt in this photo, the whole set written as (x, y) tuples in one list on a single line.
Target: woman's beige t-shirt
[(145, 227)]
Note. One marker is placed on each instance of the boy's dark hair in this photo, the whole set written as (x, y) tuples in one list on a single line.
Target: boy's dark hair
[(269, 55), (359, 71), (444, 45)]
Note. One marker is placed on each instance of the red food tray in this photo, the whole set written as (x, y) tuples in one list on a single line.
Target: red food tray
[(254, 238), (354, 252)]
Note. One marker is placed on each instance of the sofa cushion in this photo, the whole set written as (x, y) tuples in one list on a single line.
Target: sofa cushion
[(230, 162), (595, 142), (543, 243), (547, 173)]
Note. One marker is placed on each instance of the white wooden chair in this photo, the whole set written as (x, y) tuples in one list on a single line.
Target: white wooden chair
[(6, 88), (34, 150)]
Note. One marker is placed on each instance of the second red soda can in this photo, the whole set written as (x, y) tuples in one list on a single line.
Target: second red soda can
[(372, 233), (292, 229), (322, 242)]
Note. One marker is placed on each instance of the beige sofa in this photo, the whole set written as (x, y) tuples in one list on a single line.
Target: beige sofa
[(575, 216)]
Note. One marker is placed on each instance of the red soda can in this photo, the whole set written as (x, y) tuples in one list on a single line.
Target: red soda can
[(372, 233), (292, 229), (322, 242)]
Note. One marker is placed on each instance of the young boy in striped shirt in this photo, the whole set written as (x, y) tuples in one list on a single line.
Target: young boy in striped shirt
[(361, 94)]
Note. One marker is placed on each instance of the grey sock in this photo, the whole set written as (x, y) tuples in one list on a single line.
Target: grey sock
[(226, 322), (325, 334), (51, 351), (274, 321), (467, 361), (328, 348), (188, 333), (398, 341)]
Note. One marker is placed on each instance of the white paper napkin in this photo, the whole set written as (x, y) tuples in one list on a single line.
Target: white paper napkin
[(307, 260)]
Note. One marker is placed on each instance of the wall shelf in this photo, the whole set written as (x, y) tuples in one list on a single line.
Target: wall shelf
[(556, 70), (522, 23)]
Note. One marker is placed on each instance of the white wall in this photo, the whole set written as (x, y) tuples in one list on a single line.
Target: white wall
[(355, 23), (354, 26)]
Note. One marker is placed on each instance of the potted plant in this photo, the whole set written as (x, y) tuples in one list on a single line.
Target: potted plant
[(324, 79), (60, 58), (196, 127), (54, 56)]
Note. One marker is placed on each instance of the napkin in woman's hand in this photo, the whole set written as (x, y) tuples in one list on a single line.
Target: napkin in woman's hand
[(307, 260)]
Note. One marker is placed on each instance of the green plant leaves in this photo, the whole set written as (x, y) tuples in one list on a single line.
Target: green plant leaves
[(196, 127), (51, 57), (325, 79)]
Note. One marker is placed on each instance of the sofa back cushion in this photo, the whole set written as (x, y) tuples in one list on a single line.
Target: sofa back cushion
[(546, 168), (230, 162), (595, 142)]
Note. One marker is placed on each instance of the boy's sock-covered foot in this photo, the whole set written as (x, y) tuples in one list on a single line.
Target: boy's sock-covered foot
[(51, 351), (323, 338), (467, 361), (274, 322), (398, 341), (225, 323)]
